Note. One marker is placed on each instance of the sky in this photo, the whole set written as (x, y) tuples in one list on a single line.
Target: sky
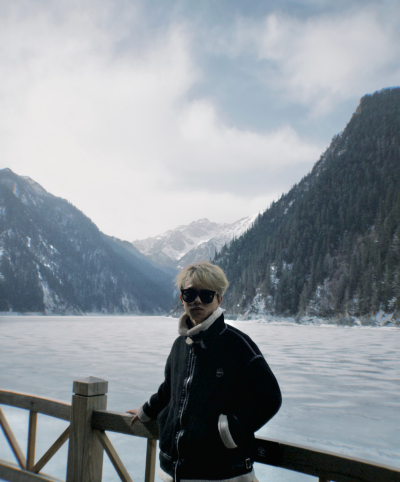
[(147, 115)]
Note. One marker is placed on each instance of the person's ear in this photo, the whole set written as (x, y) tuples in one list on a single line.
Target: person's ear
[(219, 300), (180, 297)]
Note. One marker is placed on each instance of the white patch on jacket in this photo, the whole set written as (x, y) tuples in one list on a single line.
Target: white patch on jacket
[(223, 428)]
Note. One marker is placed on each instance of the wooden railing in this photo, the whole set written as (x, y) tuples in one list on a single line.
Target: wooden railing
[(35, 405), (89, 421)]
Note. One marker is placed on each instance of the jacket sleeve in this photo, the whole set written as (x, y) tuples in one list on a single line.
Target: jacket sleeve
[(258, 401), (151, 409)]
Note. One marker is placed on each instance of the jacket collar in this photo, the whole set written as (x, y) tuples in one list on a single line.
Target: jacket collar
[(197, 333)]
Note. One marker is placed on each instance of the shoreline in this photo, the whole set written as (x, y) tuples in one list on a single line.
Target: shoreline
[(387, 321)]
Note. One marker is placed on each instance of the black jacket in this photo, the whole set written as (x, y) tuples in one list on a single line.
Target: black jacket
[(221, 373)]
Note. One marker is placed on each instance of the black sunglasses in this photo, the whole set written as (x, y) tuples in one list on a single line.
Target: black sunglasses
[(190, 295)]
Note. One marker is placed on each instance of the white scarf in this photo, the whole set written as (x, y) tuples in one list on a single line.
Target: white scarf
[(185, 331)]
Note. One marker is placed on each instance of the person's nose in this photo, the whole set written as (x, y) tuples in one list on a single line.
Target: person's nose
[(197, 300)]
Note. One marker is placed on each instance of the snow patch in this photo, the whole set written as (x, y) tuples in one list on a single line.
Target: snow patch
[(16, 190), (274, 278), (48, 298), (129, 305)]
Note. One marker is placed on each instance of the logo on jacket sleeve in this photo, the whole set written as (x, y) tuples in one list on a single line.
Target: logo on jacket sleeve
[(261, 451), (220, 372)]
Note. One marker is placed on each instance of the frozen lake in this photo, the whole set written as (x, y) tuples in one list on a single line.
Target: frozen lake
[(340, 386)]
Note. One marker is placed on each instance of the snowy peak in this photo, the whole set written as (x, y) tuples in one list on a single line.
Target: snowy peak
[(207, 249), (234, 230), (175, 243), (193, 242)]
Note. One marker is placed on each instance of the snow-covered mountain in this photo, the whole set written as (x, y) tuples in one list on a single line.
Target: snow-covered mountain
[(196, 241), (54, 260)]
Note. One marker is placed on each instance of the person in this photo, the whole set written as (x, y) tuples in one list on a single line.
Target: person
[(218, 389)]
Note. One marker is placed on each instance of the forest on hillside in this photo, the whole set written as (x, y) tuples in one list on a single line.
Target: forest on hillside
[(330, 247)]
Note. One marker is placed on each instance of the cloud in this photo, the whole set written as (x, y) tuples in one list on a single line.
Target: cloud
[(226, 158), (324, 59), (96, 109)]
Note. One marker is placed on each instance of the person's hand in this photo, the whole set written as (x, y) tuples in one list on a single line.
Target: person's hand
[(135, 415)]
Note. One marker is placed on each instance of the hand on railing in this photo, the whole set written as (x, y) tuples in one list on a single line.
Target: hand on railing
[(135, 415)]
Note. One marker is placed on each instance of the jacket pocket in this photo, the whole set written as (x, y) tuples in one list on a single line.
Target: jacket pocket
[(225, 434)]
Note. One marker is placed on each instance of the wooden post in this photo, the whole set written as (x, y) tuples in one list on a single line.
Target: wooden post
[(151, 456), (30, 457), (85, 453)]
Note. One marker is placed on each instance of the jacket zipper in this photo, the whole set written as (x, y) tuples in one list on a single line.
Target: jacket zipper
[(186, 388)]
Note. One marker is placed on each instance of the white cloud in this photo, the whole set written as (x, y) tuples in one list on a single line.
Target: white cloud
[(323, 60), (101, 117)]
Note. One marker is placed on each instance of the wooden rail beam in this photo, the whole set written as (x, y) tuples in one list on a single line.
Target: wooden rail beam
[(52, 451), (113, 456), (325, 465), (47, 406), (30, 456), (120, 423), (19, 455)]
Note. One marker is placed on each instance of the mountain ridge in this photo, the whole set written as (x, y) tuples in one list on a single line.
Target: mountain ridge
[(329, 247), (188, 243), (54, 260)]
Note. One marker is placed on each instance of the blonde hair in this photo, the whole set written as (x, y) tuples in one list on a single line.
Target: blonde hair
[(203, 275)]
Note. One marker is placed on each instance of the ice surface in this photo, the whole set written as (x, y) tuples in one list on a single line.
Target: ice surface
[(340, 386)]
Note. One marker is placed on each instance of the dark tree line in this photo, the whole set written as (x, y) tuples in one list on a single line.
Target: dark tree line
[(331, 245)]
